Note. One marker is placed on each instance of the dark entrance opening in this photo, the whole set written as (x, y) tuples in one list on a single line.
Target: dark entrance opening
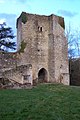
[(42, 75)]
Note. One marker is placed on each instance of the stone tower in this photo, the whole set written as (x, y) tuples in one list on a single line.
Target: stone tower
[(42, 43)]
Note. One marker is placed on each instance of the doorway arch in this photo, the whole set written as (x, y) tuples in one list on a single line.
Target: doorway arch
[(42, 75)]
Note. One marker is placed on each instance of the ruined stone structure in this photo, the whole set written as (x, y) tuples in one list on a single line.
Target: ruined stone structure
[(42, 46), (46, 47)]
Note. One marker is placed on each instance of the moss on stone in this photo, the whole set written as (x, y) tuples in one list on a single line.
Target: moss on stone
[(24, 17), (23, 46)]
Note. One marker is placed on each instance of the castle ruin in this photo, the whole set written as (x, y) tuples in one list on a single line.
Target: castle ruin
[(41, 51)]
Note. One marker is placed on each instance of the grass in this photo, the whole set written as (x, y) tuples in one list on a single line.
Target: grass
[(44, 102)]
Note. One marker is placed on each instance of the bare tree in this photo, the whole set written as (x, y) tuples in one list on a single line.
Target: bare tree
[(73, 37)]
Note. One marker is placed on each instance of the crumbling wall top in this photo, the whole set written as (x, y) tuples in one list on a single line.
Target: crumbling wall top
[(23, 18)]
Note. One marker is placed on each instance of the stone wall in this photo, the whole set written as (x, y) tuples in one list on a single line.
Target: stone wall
[(21, 74), (74, 71), (41, 47), (46, 46), (9, 68), (8, 60), (35, 34)]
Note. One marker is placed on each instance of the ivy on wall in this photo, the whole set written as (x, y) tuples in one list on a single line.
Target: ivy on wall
[(23, 46), (24, 17)]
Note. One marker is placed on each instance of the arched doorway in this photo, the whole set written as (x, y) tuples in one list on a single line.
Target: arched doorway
[(42, 75)]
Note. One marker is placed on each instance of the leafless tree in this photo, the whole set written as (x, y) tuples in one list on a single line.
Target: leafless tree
[(73, 37)]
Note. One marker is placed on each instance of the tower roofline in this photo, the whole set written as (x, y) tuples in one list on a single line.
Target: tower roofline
[(59, 19)]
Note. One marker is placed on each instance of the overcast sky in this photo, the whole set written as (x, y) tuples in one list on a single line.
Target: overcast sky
[(69, 9)]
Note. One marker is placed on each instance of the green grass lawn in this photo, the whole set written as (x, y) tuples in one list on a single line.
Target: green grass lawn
[(44, 102)]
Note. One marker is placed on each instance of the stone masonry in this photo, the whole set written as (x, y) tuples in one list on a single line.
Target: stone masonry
[(46, 47), (41, 48)]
